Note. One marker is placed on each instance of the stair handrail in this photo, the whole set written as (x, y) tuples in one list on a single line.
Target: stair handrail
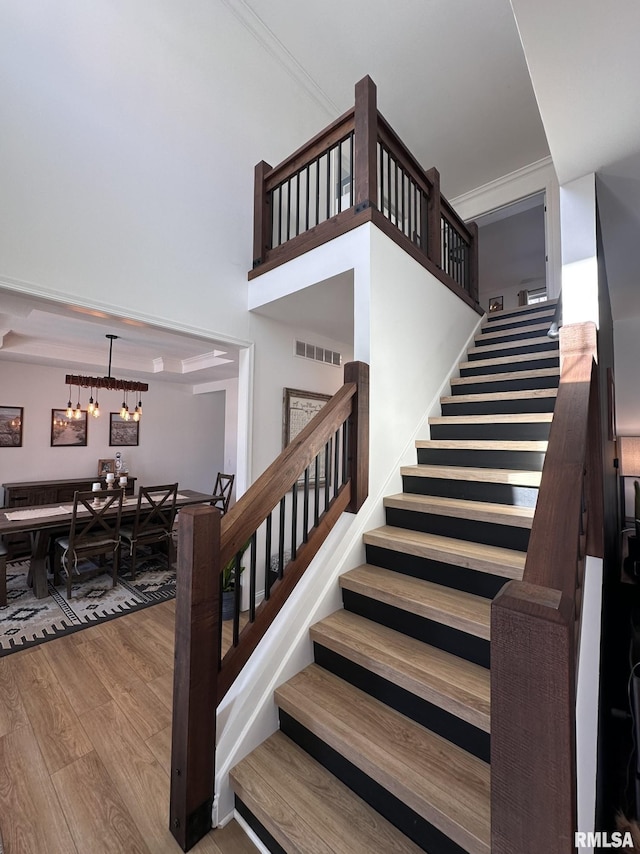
[(211, 545), (535, 623)]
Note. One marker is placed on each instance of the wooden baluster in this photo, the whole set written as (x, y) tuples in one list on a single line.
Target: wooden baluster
[(261, 215), (196, 667), (366, 132)]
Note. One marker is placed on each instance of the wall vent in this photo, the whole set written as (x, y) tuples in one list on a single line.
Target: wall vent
[(318, 354)]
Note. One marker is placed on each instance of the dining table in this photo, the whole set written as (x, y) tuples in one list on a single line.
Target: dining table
[(42, 520)]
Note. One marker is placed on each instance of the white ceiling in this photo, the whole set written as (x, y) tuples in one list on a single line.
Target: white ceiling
[(454, 82), (40, 332)]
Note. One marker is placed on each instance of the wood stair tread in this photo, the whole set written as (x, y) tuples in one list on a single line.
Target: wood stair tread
[(306, 809), (501, 418), (481, 557), (506, 376), (514, 477), (500, 333), (446, 605), (527, 394), (445, 785), (535, 445), (451, 683), (508, 360), (462, 508), (523, 342)]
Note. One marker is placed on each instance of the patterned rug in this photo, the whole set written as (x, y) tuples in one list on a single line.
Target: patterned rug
[(26, 621)]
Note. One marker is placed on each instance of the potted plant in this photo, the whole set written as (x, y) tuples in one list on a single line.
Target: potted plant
[(229, 582)]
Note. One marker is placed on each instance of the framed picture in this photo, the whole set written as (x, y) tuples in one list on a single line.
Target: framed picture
[(106, 467), (11, 426), (496, 304), (123, 432), (299, 407), (68, 432)]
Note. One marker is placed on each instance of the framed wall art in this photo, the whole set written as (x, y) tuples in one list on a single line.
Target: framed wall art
[(299, 407), (496, 304), (11, 418), (123, 433), (68, 431)]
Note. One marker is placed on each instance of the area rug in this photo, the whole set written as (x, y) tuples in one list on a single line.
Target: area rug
[(26, 621)]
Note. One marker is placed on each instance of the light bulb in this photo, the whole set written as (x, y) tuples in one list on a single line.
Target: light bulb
[(96, 411), (136, 414), (78, 412), (123, 409), (91, 406), (69, 410)]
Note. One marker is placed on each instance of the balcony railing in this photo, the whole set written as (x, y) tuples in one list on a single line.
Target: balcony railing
[(358, 170)]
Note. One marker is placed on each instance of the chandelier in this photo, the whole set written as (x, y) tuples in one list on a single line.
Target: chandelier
[(111, 384)]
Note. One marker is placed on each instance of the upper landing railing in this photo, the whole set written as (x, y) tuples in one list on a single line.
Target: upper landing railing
[(358, 170)]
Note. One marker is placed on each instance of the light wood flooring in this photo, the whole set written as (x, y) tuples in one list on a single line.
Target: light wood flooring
[(85, 740)]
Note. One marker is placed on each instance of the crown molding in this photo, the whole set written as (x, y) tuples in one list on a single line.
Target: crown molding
[(275, 48), (513, 186)]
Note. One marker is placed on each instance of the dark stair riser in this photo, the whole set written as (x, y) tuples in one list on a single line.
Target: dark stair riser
[(519, 322), (512, 384), (504, 367), (508, 335), (489, 352), (495, 493), (435, 719), (522, 311), (474, 531), (258, 828), (425, 835), (445, 637), (492, 459), (500, 406), (530, 431)]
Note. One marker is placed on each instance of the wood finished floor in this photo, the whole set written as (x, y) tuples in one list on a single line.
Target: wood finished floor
[(85, 739)]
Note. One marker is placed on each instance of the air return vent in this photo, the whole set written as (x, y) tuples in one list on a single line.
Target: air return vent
[(318, 354)]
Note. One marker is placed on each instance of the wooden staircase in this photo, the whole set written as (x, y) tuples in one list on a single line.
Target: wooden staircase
[(384, 740)]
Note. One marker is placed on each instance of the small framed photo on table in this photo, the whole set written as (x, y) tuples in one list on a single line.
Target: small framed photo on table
[(106, 467), (496, 304), (123, 433)]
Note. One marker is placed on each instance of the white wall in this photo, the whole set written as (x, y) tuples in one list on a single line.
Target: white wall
[(413, 331), (181, 435), (127, 164), (579, 251)]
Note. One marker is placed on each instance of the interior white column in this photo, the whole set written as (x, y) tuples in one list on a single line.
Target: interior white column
[(579, 251)]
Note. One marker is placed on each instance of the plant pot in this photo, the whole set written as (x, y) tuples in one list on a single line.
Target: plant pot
[(228, 604)]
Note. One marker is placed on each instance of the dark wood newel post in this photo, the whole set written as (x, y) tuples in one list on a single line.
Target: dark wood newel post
[(533, 759), (366, 145), (434, 242), (197, 652), (261, 215), (358, 372)]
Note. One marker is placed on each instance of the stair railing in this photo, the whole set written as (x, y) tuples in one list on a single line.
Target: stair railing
[(270, 536), (535, 624), (358, 170)]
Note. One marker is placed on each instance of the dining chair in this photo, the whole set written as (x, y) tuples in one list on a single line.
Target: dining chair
[(95, 532), (155, 512), (3, 574), (222, 491)]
